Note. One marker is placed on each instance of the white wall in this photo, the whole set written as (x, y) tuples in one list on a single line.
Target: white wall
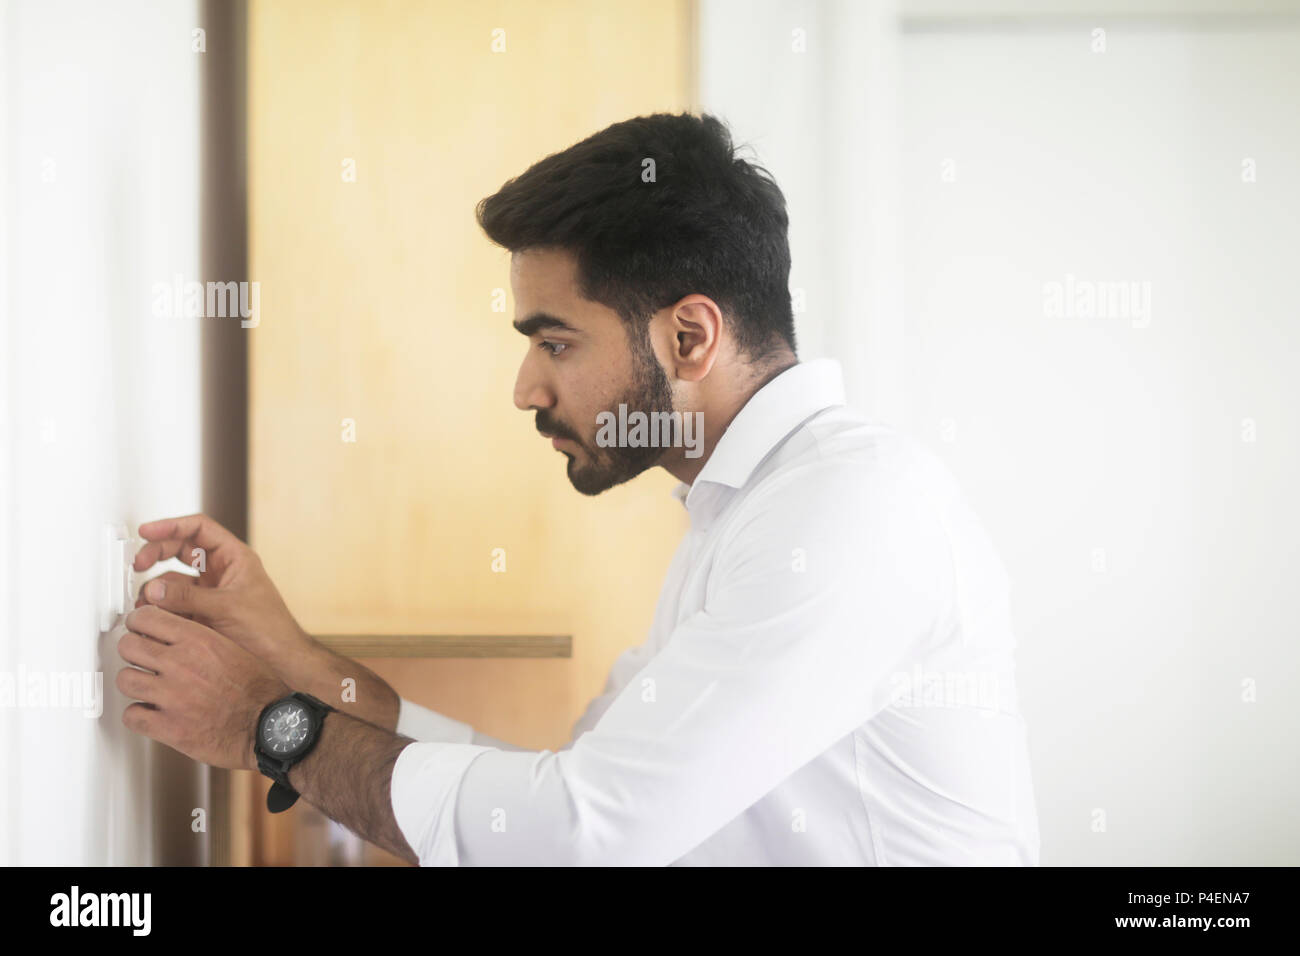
[(1151, 548), (812, 86), (98, 396), (1151, 544)]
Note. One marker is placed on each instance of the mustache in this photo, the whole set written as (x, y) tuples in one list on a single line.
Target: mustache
[(548, 427)]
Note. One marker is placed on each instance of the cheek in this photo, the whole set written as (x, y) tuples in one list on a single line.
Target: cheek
[(587, 388), (578, 407)]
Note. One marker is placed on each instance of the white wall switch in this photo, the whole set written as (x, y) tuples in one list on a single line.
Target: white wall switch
[(115, 576)]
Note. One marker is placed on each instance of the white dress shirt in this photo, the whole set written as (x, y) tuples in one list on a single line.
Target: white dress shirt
[(828, 680)]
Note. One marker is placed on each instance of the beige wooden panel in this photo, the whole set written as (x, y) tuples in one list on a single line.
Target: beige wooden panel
[(448, 645), (376, 306)]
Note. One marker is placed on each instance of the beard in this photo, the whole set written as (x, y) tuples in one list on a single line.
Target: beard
[(602, 468)]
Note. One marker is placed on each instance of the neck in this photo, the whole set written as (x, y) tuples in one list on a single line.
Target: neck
[(719, 413)]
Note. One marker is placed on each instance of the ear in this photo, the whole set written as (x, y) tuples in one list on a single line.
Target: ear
[(694, 328)]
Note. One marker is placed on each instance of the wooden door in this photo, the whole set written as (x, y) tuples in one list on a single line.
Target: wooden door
[(387, 460)]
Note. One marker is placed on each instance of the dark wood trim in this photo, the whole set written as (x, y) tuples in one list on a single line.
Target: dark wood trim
[(224, 343)]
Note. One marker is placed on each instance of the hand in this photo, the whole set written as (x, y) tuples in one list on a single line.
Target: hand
[(200, 693), (233, 594)]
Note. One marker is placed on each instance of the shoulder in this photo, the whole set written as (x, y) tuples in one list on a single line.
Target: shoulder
[(859, 509), (860, 501), (841, 466)]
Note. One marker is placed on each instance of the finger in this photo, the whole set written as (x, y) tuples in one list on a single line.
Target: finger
[(137, 684), (183, 549), (162, 625), (182, 594), (170, 628), (141, 600), (199, 528), (152, 552), (142, 718), (141, 650), (170, 576), (178, 537)]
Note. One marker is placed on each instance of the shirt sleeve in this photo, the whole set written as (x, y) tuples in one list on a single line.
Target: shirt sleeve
[(625, 667), (421, 723), (831, 578)]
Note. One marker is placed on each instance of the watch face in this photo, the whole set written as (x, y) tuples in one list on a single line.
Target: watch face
[(285, 729)]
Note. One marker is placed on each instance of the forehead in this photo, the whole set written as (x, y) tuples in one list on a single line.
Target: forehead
[(545, 283), (545, 277)]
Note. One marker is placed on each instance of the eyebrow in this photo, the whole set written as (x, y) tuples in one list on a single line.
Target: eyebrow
[(537, 321)]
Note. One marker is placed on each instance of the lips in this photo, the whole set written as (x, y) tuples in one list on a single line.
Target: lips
[(556, 438)]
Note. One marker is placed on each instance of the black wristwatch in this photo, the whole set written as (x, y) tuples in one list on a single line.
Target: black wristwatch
[(287, 730)]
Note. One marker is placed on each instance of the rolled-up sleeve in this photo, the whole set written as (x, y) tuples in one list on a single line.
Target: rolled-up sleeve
[(827, 583), (426, 778)]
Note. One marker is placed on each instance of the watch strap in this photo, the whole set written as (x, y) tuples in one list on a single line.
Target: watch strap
[(282, 795), (280, 798)]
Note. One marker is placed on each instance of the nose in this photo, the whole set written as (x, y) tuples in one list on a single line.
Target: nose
[(531, 390)]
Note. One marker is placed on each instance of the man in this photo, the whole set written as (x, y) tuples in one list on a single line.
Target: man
[(828, 677)]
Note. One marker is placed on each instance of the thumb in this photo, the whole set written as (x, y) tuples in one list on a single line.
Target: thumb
[(178, 593)]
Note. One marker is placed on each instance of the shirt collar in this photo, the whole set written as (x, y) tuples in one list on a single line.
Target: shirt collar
[(771, 413)]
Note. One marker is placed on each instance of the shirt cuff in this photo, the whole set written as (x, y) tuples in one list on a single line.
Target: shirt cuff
[(426, 780), (421, 723)]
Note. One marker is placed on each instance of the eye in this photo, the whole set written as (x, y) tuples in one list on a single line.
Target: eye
[(553, 348)]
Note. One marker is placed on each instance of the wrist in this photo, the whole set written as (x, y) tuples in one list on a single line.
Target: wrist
[(306, 664), (325, 673), (301, 770)]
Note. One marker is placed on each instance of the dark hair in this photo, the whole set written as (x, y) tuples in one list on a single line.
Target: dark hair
[(709, 223)]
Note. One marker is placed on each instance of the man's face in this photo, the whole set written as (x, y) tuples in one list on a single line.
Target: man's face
[(581, 362)]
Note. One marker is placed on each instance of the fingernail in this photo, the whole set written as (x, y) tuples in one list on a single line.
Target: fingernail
[(156, 590)]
